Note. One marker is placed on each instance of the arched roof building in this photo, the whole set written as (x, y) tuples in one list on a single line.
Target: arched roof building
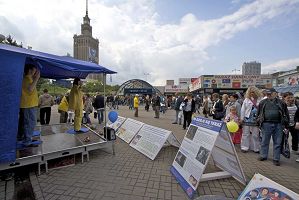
[(137, 86)]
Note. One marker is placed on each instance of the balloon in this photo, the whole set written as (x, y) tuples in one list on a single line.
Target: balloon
[(232, 126), (112, 116)]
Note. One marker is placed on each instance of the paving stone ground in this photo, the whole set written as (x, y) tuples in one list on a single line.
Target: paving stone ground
[(131, 175)]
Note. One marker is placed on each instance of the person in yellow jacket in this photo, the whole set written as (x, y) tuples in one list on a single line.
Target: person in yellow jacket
[(76, 103), (136, 105), (63, 108), (28, 105)]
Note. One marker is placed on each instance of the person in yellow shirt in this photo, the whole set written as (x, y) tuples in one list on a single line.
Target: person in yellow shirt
[(136, 105), (76, 103), (63, 108), (28, 105)]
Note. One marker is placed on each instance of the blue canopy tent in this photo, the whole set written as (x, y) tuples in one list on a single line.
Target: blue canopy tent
[(12, 62)]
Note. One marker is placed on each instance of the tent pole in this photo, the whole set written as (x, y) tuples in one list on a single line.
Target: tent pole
[(105, 119)]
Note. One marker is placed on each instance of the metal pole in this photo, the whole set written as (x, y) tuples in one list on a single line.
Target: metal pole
[(105, 119)]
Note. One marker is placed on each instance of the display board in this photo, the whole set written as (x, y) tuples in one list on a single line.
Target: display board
[(149, 140), (205, 137), (260, 187), (129, 129), (115, 125)]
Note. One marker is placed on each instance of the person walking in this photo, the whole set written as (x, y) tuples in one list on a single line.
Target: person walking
[(46, 101), (76, 103), (136, 105), (273, 116), (88, 108), (178, 101), (205, 106), (63, 108), (99, 106), (28, 104), (189, 109), (156, 106), (250, 135)]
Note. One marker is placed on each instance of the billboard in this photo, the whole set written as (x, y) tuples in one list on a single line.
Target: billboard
[(237, 81), (176, 88), (195, 85)]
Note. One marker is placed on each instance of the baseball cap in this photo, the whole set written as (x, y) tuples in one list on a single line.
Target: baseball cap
[(270, 91)]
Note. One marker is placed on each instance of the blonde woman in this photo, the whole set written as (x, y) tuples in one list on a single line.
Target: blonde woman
[(248, 119)]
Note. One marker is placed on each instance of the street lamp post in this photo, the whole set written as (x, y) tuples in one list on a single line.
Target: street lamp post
[(146, 74), (236, 70)]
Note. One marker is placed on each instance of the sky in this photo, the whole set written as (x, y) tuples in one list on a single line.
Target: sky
[(159, 40)]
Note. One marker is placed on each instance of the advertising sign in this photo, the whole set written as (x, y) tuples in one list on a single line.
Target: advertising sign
[(195, 85), (138, 91), (237, 81), (205, 139), (260, 187), (129, 129), (176, 88), (149, 140)]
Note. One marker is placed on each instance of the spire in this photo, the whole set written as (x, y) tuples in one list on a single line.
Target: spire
[(86, 7)]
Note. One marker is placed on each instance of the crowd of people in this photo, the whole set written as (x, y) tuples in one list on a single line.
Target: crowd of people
[(260, 114)]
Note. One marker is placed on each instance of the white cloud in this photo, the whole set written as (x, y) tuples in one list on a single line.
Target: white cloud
[(132, 40), (281, 65)]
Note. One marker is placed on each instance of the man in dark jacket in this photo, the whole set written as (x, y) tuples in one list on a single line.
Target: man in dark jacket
[(156, 105), (218, 109), (178, 101), (99, 105), (189, 109), (273, 118)]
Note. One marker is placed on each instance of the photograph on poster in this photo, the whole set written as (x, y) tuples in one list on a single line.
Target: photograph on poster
[(191, 132), (180, 159), (202, 155), (136, 139), (121, 131), (193, 181), (266, 193)]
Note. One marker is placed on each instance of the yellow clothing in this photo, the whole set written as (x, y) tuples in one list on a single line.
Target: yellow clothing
[(76, 104), (136, 102), (28, 99), (64, 105)]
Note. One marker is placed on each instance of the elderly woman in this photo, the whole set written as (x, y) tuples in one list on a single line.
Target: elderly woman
[(248, 119)]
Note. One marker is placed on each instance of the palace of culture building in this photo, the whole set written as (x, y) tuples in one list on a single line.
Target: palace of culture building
[(85, 46)]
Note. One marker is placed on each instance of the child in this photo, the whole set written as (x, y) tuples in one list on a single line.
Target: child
[(233, 116)]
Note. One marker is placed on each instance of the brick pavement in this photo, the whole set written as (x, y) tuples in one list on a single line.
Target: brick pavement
[(131, 175)]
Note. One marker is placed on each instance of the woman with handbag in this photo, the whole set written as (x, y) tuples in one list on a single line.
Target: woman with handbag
[(250, 135)]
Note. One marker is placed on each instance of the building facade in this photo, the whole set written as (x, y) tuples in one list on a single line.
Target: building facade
[(251, 68), (85, 46)]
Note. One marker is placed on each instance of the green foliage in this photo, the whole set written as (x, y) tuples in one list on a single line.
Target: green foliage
[(10, 41), (93, 87)]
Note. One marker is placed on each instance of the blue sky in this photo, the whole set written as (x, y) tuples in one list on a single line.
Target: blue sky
[(169, 39)]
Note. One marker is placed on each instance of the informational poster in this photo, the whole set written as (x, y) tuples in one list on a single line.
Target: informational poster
[(115, 125), (149, 140), (225, 156), (172, 141), (129, 129), (205, 139), (260, 187), (194, 153)]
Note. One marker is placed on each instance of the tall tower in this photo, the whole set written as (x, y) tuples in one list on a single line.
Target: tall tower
[(85, 46)]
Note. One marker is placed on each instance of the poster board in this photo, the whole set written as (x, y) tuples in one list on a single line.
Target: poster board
[(260, 187), (115, 125), (149, 140), (129, 129), (201, 143), (172, 141)]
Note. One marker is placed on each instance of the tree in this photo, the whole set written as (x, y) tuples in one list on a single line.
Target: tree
[(10, 41)]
